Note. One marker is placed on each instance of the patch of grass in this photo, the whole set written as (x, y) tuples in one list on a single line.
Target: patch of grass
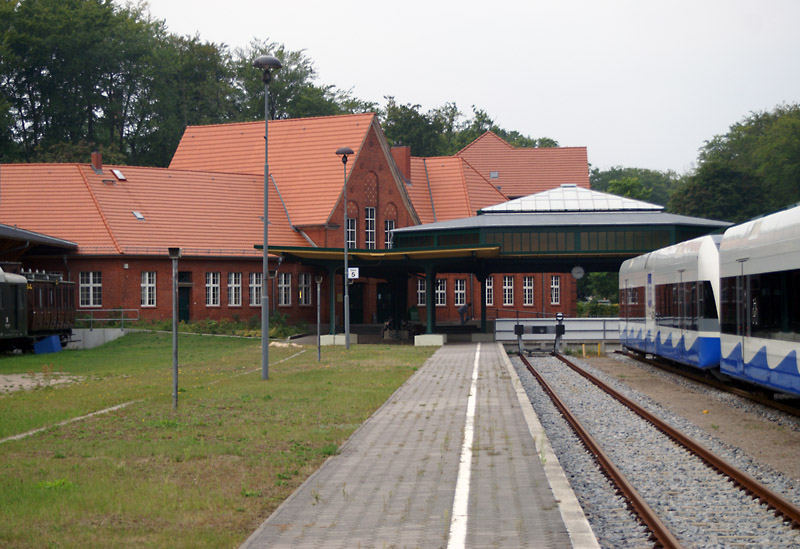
[(207, 474)]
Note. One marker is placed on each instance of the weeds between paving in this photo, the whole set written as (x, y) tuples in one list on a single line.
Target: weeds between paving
[(206, 475)]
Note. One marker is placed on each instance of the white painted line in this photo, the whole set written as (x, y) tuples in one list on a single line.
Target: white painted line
[(458, 520), (123, 405), (67, 421), (578, 528)]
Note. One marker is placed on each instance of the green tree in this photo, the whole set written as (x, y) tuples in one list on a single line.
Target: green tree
[(719, 191), (658, 185), (630, 187)]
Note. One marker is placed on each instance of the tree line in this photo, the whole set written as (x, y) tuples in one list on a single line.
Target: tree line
[(76, 75), (79, 75)]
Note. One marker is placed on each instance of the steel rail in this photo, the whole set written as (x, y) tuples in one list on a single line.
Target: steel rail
[(755, 397), (662, 535), (750, 485)]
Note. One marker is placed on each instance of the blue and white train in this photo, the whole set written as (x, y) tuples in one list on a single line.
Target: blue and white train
[(729, 303)]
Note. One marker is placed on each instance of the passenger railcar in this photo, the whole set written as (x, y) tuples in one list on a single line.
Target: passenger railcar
[(760, 282), (34, 305), (669, 305)]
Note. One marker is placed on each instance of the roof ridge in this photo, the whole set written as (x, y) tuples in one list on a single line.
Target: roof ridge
[(99, 209), (481, 136), (282, 120)]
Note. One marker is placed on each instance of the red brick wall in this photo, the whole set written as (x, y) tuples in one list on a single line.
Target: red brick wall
[(540, 307)]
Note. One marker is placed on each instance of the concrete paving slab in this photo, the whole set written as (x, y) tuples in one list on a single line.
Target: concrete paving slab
[(394, 481)]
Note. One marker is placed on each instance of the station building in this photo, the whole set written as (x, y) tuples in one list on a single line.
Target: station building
[(209, 203)]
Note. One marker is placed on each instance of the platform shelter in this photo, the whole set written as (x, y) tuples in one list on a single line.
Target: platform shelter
[(567, 229)]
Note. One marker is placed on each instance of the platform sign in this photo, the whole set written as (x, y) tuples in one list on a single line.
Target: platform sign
[(352, 273)]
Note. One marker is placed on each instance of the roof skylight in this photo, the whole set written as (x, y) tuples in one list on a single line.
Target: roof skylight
[(137, 215)]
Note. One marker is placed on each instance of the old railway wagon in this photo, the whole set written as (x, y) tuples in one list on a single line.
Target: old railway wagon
[(34, 305)]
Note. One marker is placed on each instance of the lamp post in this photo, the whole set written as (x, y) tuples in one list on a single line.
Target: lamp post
[(265, 63), (174, 255), (318, 280), (343, 152)]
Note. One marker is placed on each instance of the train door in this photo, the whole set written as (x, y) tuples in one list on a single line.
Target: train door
[(743, 322)]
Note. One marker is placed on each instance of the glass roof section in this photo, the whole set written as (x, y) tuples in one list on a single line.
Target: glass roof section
[(571, 198)]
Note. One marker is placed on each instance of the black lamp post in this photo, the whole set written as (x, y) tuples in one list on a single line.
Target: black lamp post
[(174, 255), (343, 152), (265, 63)]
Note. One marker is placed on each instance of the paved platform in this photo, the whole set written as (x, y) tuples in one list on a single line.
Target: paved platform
[(455, 458)]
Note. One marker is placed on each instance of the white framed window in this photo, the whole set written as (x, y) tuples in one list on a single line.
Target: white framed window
[(388, 233), (421, 293), (508, 290), (527, 290), (304, 289), (440, 295), (369, 227), (555, 290), (234, 289), (284, 289), (351, 233), (255, 289), (489, 289), (459, 291), (148, 289), (212, 289), (91, 289)]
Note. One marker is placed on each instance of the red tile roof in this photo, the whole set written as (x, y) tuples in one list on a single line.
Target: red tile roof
[(523, 171), (302, 157), (203, 213), (447, 187)]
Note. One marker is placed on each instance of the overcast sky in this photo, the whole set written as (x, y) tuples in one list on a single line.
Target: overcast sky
[(639, 83)]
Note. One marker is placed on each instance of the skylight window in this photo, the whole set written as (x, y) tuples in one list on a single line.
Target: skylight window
[(119, 175), (137, 215), (494, 175)]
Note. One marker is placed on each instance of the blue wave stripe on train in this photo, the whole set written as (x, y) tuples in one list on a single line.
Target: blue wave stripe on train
[(784, 377), (704, 352)]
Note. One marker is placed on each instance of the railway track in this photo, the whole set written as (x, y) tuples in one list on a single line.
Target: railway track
[(752, 395), (674, 504)]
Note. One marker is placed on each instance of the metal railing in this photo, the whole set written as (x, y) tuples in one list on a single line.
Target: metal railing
[(577, 329), (104, 317)]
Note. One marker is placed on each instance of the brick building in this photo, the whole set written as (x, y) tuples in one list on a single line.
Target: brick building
[(209, 203)]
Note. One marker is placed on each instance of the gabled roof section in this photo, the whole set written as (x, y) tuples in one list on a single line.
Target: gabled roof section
[(521, 171), (302, 159), (447, 187), (571, 198), (204, 213)]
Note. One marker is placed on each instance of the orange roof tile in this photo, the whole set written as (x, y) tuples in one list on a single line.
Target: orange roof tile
[(521, 171), (302, 157), (203, 213), (447, 187)]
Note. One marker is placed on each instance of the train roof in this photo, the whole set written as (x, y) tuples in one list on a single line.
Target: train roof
[(765, 244)]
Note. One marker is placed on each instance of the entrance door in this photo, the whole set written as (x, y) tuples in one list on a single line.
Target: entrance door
[(385, 303), (184, 300), (356, 292)]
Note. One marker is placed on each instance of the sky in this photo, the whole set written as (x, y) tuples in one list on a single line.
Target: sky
[(639, 83)]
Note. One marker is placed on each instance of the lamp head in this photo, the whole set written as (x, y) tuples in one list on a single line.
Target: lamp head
[(267, 62), (344, 152), (174, 253)]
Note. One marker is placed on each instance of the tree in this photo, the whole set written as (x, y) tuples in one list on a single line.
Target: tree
[(656, 184), (719, 191), (630, 187)]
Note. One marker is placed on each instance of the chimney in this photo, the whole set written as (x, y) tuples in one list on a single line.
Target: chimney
[(402, 158), (97, 162)]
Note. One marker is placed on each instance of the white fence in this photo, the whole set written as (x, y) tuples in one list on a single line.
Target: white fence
[(578, 330)]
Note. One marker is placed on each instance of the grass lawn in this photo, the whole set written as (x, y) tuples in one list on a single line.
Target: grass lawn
[(204, 476)]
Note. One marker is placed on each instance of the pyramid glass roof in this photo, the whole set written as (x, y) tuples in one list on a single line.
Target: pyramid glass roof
[(571, 198)]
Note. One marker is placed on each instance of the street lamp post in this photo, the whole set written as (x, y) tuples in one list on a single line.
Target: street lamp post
[(318, 280), (265, 63), (343, 152), (174, 255)]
